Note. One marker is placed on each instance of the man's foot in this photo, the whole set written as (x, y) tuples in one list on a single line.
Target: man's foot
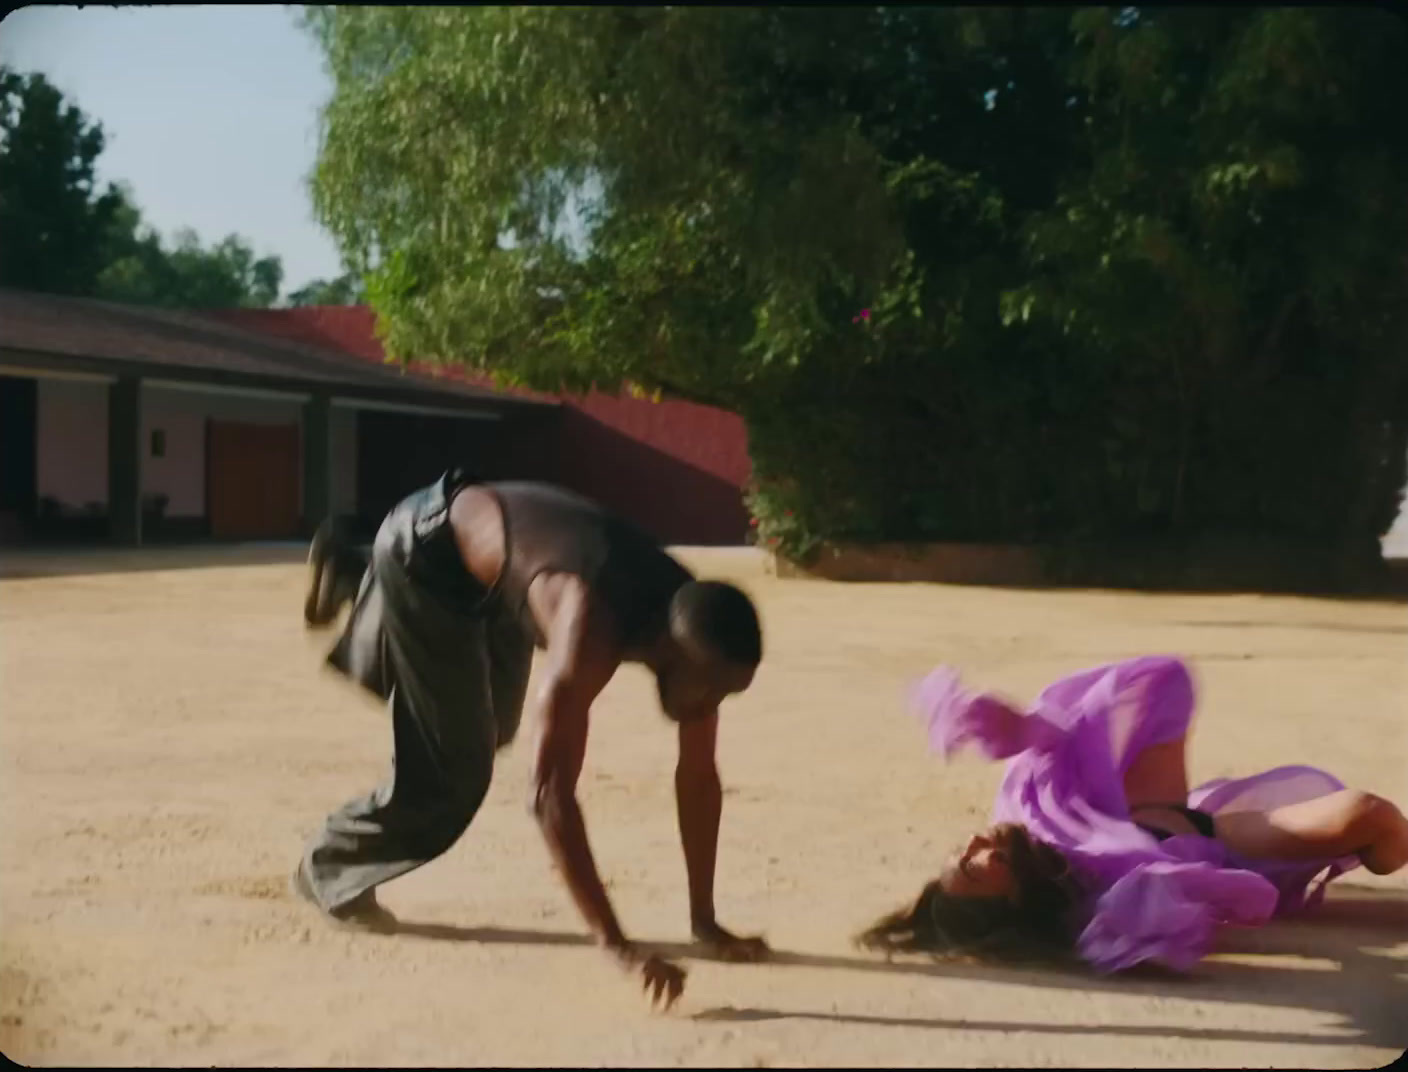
[(328, 589), (362, 913)]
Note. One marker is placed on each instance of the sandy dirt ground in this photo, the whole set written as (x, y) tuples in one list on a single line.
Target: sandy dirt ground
[(169, 738)]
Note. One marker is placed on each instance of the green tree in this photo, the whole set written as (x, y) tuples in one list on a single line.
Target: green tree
[(471, 244), (227, 274), (60, 234), (54, 219), (346, 289), (1232, 252), (987, 273)]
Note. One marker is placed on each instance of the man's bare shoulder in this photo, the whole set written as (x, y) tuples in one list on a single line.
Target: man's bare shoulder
[(579, 629)]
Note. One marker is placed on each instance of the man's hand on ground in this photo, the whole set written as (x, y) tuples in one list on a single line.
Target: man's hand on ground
[(728, 946), (661, 981)]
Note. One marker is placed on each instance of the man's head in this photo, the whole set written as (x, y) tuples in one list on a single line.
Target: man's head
[(714, 647)]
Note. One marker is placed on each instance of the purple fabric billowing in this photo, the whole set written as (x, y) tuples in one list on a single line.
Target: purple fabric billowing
[(1066, 760)]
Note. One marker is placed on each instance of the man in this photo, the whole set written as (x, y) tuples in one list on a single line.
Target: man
[(464, 580)]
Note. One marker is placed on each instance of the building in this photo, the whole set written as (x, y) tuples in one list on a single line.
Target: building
[(144, 425), (676, 468)]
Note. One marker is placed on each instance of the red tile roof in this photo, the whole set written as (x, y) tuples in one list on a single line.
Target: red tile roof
[(676, 468), (181, 343), (712, 440), (350, 329)]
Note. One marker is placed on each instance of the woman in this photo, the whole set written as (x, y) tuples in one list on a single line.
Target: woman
[(1098, 846)]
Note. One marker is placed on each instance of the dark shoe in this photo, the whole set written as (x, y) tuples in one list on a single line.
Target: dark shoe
[(329, 586), (362, 913)]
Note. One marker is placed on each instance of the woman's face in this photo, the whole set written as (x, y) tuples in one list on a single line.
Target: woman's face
[(979, 870)]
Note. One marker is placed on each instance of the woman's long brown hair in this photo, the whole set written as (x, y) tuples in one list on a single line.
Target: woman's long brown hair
[(1034, 924)]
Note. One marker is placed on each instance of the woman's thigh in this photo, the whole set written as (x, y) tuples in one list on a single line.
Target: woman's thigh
[(1158, 775)]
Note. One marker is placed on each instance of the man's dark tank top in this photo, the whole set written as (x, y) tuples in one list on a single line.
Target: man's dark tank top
[(547, 529)]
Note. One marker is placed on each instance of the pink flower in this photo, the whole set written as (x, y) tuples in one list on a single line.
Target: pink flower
[(752, 522)]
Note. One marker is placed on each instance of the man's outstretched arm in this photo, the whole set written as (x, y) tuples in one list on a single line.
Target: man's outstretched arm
[(561, 750), (579, 666), (699, 801)]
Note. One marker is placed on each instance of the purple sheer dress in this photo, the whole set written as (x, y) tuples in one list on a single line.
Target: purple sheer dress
[(1066, 758)]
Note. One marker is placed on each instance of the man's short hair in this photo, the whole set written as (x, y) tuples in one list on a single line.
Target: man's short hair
[(720, 618)]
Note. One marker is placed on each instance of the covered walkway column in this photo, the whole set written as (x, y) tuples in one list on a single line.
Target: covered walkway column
[(125, 460), (317, 461)]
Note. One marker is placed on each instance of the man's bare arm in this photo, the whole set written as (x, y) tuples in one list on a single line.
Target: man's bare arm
[(580, 663), (699, 803), (582, 657), (699, 800)]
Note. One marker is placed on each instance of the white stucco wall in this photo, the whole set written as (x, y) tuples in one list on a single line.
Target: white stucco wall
[(1395, 543), (182, 415), (180, 473), (72, 433), (71, 429)]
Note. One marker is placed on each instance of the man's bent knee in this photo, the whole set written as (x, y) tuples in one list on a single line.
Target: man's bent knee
[(467, 793), (452, 820)]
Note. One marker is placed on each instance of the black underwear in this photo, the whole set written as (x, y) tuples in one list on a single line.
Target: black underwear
[(1201, 820)]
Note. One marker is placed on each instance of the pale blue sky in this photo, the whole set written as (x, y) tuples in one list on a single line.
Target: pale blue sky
[(210, 111)]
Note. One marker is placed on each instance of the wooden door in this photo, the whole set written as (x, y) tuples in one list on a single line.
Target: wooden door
[(252, 480)]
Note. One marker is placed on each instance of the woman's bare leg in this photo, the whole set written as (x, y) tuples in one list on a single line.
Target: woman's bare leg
[(1158, 775), (1346, 823)]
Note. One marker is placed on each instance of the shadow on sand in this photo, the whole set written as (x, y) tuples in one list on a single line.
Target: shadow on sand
[(29, 563), (1309, 627), (1368, 990)]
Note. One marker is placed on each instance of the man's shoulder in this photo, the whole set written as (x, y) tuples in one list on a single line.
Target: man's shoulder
[(682, 573), (588, 637), (612, 542)]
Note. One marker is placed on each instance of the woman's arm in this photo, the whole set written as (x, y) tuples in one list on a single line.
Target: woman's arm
[(1138, 702), (1117, 729), (956, 717)]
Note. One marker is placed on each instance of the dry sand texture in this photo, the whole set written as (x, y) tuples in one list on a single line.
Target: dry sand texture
[(168, 739)]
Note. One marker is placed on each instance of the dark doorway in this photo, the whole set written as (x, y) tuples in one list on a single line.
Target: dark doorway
[(398, 453), (19, 410)]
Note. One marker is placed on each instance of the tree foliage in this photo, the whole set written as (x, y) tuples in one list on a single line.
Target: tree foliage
[(54, 220), (346, 289), (59, 233), (144, 270), (988, 273)]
